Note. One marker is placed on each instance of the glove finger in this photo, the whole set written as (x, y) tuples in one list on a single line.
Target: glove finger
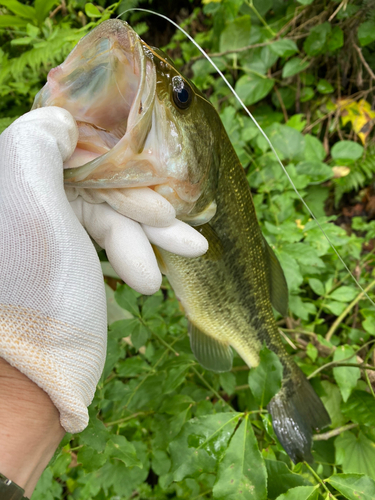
[(126, 244), (178, 238), (140, 204), (50, 122)]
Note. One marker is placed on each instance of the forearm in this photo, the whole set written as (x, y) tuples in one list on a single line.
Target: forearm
[(30, 429)]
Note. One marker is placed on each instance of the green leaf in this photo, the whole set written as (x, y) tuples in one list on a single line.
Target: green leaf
[(161, 462), (317, 286), (335, 39), (90, 459), (305, 2), (242, 473), (43, 7), (300, 493), (344, 294), (175, 377), (315, 42), (176, 404), (91, 10), (360, 408), (201, 444), (127, 299), (47, 488), (132, 367), (120, 448), (151, 306), (286, 140), (114, 311), (284, 47), (19, 9), (314, 149), (294, 66), (332, 400), (228, 382), (366, 33), (297, 122), (7, 21), (346, 376), (312, 351), (307, 94), (324, 87), (236, 34), (265, 379), (281, 478), (369, 322), (355, 454), (335, 307), (353, 486), (95, 435), (140, 335), (252, 88), (346, 150)]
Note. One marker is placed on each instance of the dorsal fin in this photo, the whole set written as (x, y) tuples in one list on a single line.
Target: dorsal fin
[(276, 281), (211, 353)]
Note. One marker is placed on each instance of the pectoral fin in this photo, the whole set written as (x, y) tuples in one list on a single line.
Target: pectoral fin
[(211, 353), (215, 247), (277, 282)]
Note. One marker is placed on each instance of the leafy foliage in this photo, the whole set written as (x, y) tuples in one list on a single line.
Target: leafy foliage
[(161, 427)]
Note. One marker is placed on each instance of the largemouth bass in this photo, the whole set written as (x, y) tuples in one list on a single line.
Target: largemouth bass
[(141, 123)]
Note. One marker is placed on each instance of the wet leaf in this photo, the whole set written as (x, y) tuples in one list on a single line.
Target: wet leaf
[(201, 444), (242, 474), (353, 486)]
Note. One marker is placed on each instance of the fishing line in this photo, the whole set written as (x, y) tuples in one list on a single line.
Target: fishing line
[(262, 133)]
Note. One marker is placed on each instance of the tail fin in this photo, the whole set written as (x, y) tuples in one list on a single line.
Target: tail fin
[(296, 412)]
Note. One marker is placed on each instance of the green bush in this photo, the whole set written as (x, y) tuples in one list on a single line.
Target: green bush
[(161, 427)]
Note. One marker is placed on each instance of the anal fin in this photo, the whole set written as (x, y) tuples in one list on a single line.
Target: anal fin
[(211, 353)]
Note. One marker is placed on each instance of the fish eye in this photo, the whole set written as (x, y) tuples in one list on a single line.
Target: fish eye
[(182, 94)]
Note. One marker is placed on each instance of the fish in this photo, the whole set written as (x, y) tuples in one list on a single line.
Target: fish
[(142, 123)]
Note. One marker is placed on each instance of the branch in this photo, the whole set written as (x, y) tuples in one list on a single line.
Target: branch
[(338, 321), (364, 62), (333, 432)]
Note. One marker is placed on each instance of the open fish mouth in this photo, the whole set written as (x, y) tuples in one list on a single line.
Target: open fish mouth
[(108, 84), (141, 123)]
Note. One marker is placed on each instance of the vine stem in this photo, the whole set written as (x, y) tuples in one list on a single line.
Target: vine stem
[(320, 481), (339, 320), (251, 5), (342, 363), (333, 432), (130, 417)]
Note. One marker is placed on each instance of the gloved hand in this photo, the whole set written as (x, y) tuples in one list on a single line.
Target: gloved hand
[(52, 301)]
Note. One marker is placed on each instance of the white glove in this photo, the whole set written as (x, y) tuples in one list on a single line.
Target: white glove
[(52, 300)]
